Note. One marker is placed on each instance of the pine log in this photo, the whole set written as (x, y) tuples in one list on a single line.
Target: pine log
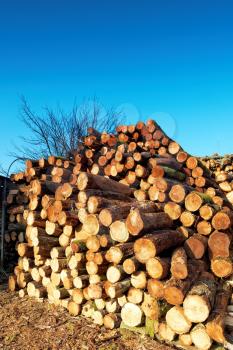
[(173, 210), (117, 289), (195, 246), (152, 245), (135, 295), (221, 266), (177, 320), (155, 288), (111, 321), (219, 244), (131, 265), (165, 332), (138, 222), (215, 325), (115, 273), (120, 211), (119, 252), (185, 339), (87, 180), (139, 280), (195, 200), (131, 315), (200, 337), (200, 299), (179, 267), (150, 307), (158, 267), (222, 220), (119, 231)]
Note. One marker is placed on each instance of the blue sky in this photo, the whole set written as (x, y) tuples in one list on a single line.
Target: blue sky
[(167, 59)]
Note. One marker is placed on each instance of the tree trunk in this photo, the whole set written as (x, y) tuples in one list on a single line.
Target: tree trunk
[(179, 267), (137, 222), (200, 299), (177, 320), (152, 245), (132, 315), (158, 267), (215, 325), (87, 180)]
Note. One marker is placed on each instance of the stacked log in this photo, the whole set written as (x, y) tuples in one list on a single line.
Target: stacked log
[(133, 231), (221, 168), (16, 204)]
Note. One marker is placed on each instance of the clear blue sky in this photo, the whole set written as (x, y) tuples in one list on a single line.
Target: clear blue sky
[(167, 58)]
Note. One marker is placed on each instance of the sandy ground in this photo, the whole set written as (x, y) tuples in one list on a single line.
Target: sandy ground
[(28, 324)]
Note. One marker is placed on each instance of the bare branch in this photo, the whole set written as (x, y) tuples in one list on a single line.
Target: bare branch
[(58, 132)]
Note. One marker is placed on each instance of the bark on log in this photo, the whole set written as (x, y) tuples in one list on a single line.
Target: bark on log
[(152, 245)]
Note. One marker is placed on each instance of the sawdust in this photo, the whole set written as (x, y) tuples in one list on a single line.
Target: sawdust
[(27, 324)]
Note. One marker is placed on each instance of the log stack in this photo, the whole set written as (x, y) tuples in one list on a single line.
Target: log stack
[(222, 172), (16, 225), (131, 230)]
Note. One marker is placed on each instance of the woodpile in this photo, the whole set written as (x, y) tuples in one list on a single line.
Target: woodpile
[(15, 225), (222, 171), (133, 231)]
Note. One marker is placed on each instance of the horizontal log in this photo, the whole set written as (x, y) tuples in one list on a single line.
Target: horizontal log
[(152, 245)]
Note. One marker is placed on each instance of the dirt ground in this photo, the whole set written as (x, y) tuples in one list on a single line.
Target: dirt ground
[(28, 324)]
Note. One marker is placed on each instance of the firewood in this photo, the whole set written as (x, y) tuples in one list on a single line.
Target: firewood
[(137, 222), (146, 248), (200, 299), (165, 332), (215, 325), (131, 265), (86, 180), (119, 231), (219, 244), (177, 320), (200, 337), (115, 273), (119, 252), (127, 228), (179, 268), (158, 267), (111, 321), (117, 289), (132, 315), (221, 267)]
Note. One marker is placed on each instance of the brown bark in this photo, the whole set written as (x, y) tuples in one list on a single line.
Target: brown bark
[(131, 265), (195, 246), (222, 220), (215, 325), (177, 320), (200, 299), (138, 222), (219, 244), (87, 180), (179, 267), (119, 252), (158, 268), (155, 288), (150, 246), (221, 267), (195, 200)]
